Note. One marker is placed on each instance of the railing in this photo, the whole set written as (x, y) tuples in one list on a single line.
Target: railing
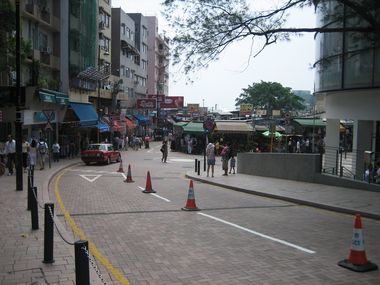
[(358, 165)]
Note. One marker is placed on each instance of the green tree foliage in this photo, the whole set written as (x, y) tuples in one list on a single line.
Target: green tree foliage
[(270, 96), (8, 39), (205, 28)]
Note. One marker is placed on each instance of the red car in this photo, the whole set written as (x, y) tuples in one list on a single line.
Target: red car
[(100, 153)]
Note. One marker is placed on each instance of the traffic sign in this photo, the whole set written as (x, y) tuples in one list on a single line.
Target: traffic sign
[(48, 127)]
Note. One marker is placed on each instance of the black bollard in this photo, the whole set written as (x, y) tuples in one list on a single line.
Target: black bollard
[(29, 190), (196, 165), (199, 167), (49, 233), (34, 209), (82, 272)]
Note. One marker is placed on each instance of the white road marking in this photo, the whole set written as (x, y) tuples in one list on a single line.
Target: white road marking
[(125, 177), (259, 234), (181, 159), (158, 196), (94, 177)]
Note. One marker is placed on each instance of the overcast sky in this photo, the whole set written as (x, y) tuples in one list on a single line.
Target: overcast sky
[(288, 63)]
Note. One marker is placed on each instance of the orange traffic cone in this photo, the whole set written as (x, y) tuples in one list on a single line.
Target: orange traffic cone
[(121, 166), (357, 260), (148, 187), (129, 175), (190, 204)]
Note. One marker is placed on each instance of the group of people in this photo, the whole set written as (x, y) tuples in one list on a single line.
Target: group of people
[(33, 152), (227, 156)]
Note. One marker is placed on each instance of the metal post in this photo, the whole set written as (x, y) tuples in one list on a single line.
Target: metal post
[(82, 272), (34, 209), (199, 167), (29, 190), (341, 165), (18, 122), (336, 162), (196, 165), (49, 233)]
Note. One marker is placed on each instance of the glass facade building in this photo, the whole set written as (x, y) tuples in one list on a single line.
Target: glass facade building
[(345, 60)]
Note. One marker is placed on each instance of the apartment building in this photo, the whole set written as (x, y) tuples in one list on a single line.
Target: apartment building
[(158, 59), (40, 27)]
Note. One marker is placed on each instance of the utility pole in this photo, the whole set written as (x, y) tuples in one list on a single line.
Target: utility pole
[(18, 122)]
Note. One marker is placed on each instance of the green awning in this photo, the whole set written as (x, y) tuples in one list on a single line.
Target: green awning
[(50, 96), (180, 124), (193, 128), (46, 97), (310, 122)]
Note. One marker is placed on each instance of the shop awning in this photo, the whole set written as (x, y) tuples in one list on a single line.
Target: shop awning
[(86, 113), (103, 127), (193, 128), (130, 124), (233, 127), (141, 119), (118, 126), (55, 97), (310, 122)]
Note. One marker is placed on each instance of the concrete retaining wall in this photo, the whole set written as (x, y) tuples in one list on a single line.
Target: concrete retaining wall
[(294, 166)]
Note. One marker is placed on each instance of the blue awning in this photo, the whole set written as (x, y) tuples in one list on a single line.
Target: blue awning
[(141, 119), (86, 113), (103, 127)]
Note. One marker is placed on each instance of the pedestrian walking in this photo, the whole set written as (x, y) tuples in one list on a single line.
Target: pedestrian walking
[(225, 156), (42, 149), (210, 154), (25, 150), (232, 164), (32, 154), (10, 151), (164, 150), (56, 151)]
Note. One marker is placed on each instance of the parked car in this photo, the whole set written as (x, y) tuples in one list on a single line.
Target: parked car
[(100, 153)]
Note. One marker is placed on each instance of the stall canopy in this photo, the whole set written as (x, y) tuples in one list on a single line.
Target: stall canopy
[(129, 123), (86, 113), (233, 127), (141, 119), (310, 122), (193, 128)]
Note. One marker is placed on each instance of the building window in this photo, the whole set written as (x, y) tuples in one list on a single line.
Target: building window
[(144, 64), (144, 48), (144, 32), (42, 41), (123, 29), (127, 72)]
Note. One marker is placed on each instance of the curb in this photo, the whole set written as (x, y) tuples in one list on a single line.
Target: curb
[(288, 199)]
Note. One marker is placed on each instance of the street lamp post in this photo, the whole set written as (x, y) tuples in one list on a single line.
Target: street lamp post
[(99, 85)]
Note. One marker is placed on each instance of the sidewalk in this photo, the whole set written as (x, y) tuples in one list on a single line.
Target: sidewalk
[(339, 199), (22, 249)]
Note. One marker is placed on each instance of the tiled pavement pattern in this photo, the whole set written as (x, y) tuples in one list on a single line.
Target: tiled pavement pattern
[(156, 243)]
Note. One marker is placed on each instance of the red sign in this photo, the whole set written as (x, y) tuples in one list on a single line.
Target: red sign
[(172, 102), (168, 102), (161, 98), (146, 103)]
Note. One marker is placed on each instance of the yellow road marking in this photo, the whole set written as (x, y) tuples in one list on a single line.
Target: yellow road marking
[(94, 251)]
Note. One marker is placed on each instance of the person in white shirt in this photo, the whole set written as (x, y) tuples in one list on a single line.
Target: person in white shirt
[(55, 149), (10, 150), (42, 150), (32, 154)]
